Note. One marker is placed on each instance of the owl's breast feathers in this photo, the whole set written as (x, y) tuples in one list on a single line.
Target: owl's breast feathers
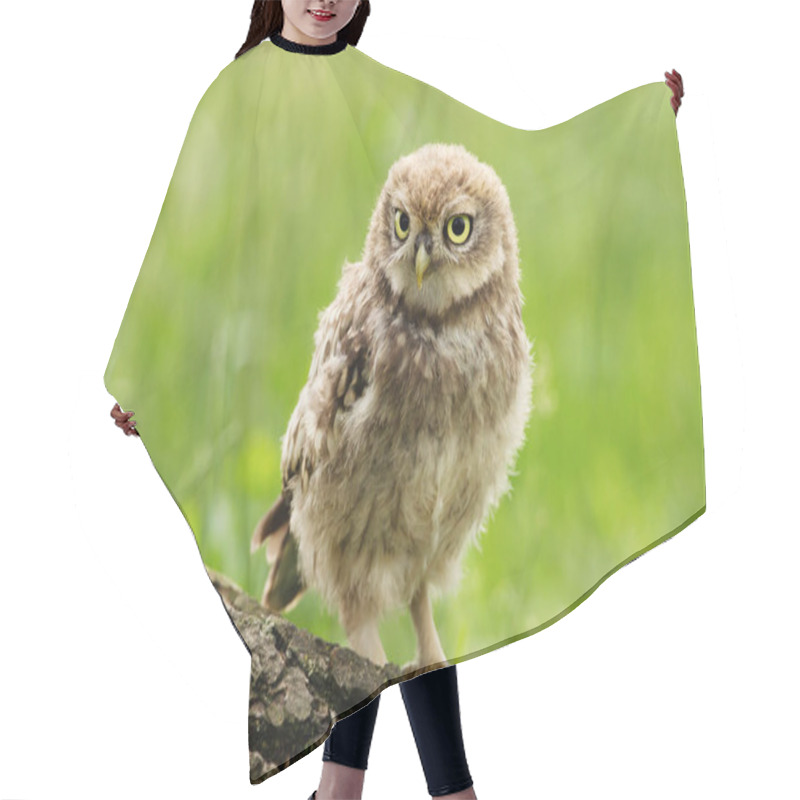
[(469, 370), (400, 441), (464, 374)]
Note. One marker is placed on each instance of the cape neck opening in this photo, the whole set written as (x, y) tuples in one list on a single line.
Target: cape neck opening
[(308, 49)]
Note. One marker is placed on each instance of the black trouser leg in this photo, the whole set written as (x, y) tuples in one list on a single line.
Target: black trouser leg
[(351, 737), (431, 701), (433, 710)]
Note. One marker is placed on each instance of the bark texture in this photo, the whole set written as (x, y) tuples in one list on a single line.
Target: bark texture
[(298, 682)]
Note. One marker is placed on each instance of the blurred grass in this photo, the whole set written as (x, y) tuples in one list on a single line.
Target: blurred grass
[(274, 188)]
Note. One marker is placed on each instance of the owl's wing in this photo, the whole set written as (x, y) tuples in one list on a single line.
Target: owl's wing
[(338, 377)]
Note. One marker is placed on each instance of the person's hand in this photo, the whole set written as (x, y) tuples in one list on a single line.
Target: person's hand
[(675, 82), (122, 419)]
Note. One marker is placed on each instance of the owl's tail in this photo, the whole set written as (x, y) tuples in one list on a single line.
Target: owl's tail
[(285, 584), (274, 523)]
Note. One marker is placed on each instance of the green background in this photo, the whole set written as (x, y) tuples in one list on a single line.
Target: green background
[(274, 188)]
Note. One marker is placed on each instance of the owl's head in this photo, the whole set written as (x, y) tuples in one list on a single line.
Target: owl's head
[(442, 228)]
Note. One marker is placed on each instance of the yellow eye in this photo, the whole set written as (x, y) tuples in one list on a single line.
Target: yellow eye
[(402, 224), (459, 228)]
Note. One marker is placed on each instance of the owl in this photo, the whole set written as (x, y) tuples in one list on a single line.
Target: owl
[(415, 408)]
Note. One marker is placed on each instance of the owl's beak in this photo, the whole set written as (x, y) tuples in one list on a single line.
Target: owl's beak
[(423, 262)]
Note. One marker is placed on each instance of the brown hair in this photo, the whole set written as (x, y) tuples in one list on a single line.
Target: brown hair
[(266, 18)]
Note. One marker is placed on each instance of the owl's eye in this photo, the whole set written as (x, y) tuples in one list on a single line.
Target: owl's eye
[(458, 228), (402, 224)]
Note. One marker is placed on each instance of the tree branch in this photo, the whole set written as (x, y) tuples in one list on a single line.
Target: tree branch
[(298, 682)]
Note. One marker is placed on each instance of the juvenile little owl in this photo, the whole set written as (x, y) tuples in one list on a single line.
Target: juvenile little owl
[(415, 407)]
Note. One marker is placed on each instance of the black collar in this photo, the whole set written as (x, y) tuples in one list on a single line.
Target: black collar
[(310, 49)]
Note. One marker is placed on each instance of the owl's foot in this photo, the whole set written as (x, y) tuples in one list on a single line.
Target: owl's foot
[(410, 666), (423, 665)]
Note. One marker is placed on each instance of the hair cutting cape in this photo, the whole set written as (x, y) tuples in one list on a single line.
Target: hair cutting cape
[(283, 162)]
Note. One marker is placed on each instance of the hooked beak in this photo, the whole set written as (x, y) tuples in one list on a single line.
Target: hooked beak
[(423, 262)]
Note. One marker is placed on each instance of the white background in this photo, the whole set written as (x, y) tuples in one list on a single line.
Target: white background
[(121, 674)]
